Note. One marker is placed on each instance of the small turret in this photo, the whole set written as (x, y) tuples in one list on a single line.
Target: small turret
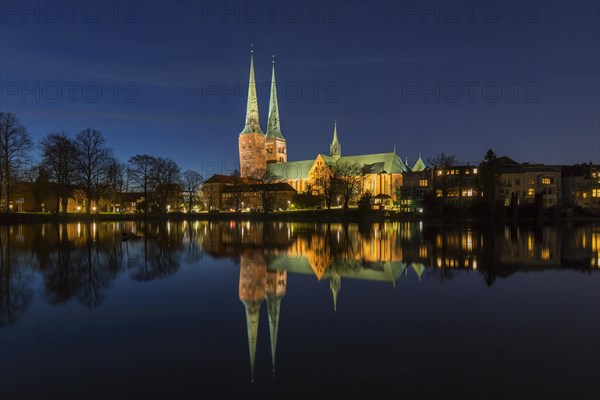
[(335, 150)]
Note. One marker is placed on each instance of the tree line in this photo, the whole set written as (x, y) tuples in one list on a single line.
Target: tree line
[(86, 163)]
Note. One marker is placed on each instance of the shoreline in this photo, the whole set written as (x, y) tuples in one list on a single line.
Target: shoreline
[(317, 216)]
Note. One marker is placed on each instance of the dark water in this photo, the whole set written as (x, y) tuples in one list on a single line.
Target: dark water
[(277, 310)]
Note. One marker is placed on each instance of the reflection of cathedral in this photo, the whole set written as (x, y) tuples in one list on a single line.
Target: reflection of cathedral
[(256, 284)]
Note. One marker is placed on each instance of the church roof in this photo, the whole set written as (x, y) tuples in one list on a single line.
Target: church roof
[(389, 163), (381, 163), (291, 170)]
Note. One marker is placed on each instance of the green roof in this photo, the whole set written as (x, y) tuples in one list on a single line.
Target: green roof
[(382, 163), (419, 165), (291, 170), (388, 163)]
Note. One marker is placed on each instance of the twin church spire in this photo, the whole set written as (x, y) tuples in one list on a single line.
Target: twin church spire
[(252, 116)]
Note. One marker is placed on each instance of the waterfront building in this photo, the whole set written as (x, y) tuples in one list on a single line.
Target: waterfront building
[(266, 154)]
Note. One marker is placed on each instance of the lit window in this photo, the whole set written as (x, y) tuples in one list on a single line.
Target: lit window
[(439, 193), (546, 181), (532, 181), (584, 194), (440, 172), (474, 170), (423, 182), (595, 192), (530, 192)]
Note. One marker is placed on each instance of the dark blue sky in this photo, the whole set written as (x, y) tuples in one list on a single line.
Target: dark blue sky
[(172, 76)]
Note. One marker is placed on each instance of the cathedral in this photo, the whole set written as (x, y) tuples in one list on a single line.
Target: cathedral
[(266, 153)]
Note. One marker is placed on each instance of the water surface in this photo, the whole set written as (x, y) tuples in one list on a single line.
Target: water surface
[(263, 310)]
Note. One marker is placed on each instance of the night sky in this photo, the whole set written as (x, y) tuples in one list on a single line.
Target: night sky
[(170, 78)]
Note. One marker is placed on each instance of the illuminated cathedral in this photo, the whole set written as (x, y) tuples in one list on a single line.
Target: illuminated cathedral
[(263, 153)]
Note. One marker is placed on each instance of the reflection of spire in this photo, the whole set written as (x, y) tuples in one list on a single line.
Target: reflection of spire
[(334, 284), (276, 285), (419, 268), (252, 285), (274, 306), (252, 315)]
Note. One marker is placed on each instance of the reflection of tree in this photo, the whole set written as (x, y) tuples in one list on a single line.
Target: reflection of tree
[(161, 256), (80, 270), (95, 272), (15, 295), (61, 281)]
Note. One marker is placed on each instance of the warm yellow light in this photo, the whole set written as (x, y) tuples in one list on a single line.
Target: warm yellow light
[(545, 253)]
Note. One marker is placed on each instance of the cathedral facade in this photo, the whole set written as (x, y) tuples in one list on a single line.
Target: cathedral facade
[(265, 154)]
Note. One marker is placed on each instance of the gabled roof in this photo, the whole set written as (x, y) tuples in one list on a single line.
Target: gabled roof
[(419, 165)]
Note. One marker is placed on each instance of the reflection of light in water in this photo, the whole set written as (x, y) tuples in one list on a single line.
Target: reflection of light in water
[(438, 240), (583, 241), (169, 228), (545, 253), (78, 229), (439, 262), (474, 264), (423, 252), (595, 241), (467, 241), (530, 242), (94, 231)]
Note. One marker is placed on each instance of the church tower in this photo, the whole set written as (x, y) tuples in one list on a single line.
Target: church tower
[(251, 144), (275, 142), (335, 149)]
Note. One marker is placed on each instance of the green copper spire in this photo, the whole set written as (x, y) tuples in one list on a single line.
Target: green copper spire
[(252, 123), (273, 127), (335, 150)]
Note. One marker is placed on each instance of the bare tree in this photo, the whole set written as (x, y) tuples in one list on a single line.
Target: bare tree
[(269, 191), (441, 181), (59, 154), (190, 183), (93, 160), (237, 190), (209, 194), (116, 180), (15, 145), (350, 180), (165, 174), (140, 167), (325, 181)]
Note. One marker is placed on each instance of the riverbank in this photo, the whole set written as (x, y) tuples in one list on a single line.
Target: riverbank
[(310, 215)]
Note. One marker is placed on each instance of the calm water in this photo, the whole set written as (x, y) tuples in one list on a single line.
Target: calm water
[(264, 310)]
